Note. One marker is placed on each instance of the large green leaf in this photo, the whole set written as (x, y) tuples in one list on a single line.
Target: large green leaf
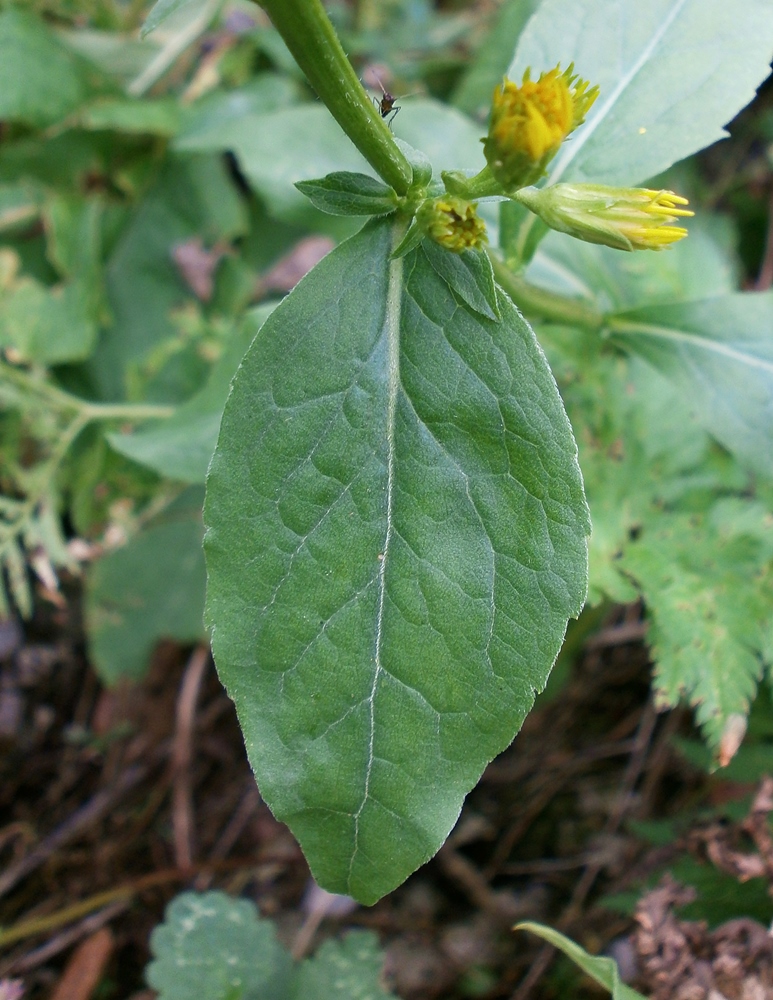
[(720, 353), (671, 73), (396, 538)]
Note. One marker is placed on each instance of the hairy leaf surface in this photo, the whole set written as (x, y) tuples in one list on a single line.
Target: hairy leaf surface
[(396, 538)]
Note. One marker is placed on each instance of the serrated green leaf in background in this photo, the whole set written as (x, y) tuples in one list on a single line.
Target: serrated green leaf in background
[(710, 601), (603, 970), (151, 589), (395, 541), (345, 970), (181, 447), (213, 947), (719, 352), (40, 80), (671, 73)]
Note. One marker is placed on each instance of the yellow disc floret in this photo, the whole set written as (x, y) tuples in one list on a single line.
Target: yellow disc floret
[(529, 122), (453, 223)]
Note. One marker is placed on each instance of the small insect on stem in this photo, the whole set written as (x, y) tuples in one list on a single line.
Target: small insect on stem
[(386, 106)]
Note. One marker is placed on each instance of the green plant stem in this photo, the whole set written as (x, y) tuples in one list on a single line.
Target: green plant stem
[(89, 411), (544, 304), (311, 38)]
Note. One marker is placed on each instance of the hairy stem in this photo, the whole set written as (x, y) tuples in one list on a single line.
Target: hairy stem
[(311, 38)]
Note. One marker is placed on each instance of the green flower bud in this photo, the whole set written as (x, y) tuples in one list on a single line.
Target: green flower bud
[(623, 218)]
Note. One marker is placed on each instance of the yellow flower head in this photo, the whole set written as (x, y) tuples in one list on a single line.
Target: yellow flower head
[(529, 122), (623, 218), (452, 222)]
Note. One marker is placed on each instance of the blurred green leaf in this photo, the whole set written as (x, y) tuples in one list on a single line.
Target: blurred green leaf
[(160, 11), (182, 446), (45, 325), (214, 947), (719, 353), (194, 196), (490, 63), (151, 589), (155, 117), (347, 970), (40, 80), (306, 143)]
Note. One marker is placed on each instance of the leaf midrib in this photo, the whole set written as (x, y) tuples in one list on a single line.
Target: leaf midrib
[(392, 333), (693, 339), (571, 150)]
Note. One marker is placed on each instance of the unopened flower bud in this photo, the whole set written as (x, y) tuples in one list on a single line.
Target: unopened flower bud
[(623, 218), (529, 122), (452, 222)]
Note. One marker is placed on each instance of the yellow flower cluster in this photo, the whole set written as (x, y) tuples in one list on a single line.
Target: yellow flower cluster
[(529, 122)]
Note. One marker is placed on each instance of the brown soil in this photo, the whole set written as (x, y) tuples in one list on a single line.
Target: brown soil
[(111, 802)]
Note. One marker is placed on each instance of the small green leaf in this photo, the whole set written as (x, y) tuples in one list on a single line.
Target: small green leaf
[(151, 589), (469, 274), (347, 970), (671, 77), (347, 193), (720, 353), (603, 970), (19, 205), (410, 241), (396, 539), (215, 947)]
